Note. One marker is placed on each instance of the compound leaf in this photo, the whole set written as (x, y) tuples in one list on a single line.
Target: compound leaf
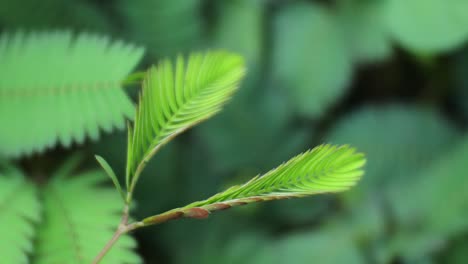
[(324, 169), (177, 97), (19, 211), (79, 218), (62, 87)]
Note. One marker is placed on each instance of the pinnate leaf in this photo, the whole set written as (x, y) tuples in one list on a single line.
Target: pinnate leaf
[(176, 97), (61, 86), (19, 212)]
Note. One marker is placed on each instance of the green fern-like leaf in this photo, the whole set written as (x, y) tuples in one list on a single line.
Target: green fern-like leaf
[(324, 169), (79, 218), (19, 211), (177, 97), (62, 88)]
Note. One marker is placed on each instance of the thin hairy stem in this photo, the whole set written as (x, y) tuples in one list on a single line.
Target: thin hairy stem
[(121, 229)]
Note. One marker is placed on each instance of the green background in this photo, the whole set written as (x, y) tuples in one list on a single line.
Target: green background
[(389, 77)]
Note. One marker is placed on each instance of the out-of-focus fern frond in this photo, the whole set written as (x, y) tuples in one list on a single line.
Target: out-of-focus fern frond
[(79, 218), (60, 87), (164, 26), (324, 169), (177, 97), (19, 211)]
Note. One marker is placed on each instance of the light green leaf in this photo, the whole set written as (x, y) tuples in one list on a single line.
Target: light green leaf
[(79, 218), (324, 169), (310, 57), (110, 172), (57, 87), (19, 212), (428, 26), (177, 97)]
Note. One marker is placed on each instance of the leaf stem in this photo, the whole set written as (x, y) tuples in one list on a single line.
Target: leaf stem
[(134, 78), (122, 229)]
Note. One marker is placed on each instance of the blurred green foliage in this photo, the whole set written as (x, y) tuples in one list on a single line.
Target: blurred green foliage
[(93, 74), (389, 77)]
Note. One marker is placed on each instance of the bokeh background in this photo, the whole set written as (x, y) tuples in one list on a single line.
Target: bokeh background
[(389, 77)]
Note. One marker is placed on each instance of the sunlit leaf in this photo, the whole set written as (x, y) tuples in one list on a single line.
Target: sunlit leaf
[(176, 97), (324, 169)]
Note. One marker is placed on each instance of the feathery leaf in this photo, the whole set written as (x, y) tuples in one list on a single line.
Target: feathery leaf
[(324, 169), (177, 97), (62, 87), (79, 218), (19, 210)]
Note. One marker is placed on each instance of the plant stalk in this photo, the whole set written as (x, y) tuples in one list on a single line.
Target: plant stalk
[(196, 212), (122, 229)]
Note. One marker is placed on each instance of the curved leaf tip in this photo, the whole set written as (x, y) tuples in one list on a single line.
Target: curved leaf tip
[(177, 96)]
